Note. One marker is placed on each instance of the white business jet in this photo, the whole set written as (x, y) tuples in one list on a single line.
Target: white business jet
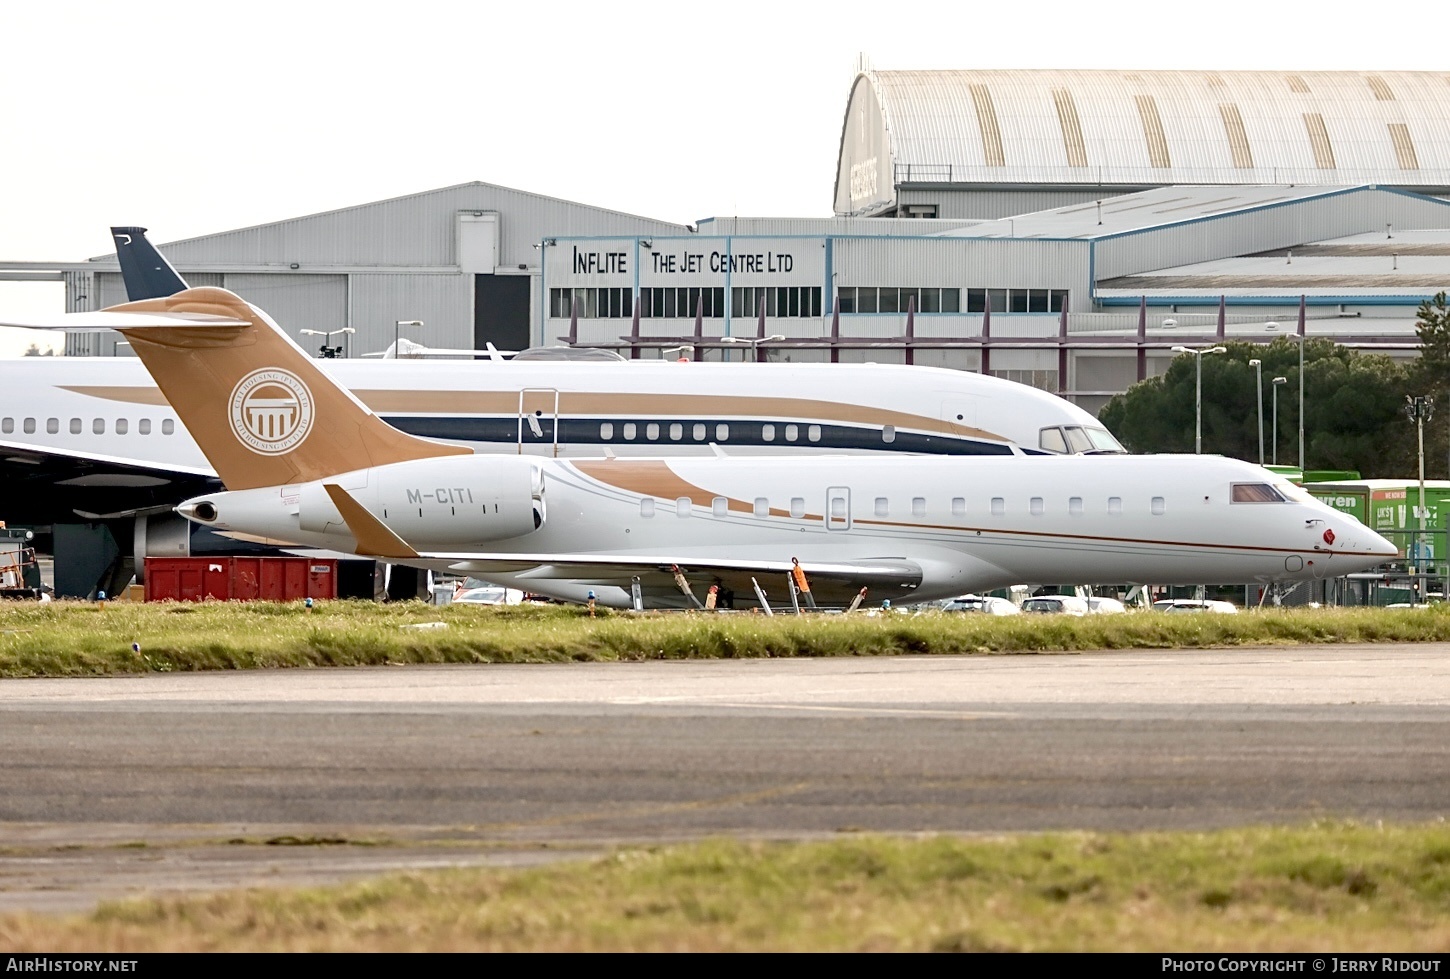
[(307, 463)]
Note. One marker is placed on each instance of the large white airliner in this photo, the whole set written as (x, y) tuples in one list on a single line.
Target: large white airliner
[(307, 463)]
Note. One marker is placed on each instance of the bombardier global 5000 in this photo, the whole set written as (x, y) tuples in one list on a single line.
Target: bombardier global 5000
[(307, 463)]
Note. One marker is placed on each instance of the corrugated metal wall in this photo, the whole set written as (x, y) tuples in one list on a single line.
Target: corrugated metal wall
[(443, 302)]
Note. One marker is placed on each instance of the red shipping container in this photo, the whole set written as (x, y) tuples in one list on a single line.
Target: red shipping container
[(275, 579)]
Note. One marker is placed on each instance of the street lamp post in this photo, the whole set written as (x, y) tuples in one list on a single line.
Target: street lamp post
[(1258, 366), (1198, 390), (397, 331), (754, 342), (1277, 382), (1299, 339), (1419, 409)]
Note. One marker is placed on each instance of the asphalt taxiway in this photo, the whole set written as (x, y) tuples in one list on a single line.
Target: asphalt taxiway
[(119, 785)]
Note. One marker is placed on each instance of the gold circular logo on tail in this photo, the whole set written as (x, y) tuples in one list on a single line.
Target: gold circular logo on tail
[(271, 411)]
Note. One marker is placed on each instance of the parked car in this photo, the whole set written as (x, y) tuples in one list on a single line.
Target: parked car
[(985, 604), (1056, 605), (1101, 606), (489, 595), (1194, 605)]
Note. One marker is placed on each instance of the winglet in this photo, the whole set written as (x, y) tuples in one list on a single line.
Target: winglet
[(374, 538)]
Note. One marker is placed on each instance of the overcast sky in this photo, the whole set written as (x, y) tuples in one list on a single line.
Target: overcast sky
[(190, 118)]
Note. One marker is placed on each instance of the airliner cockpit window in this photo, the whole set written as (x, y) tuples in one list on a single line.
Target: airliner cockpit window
[(1256, 493), (1051, 439), (1075, 439)]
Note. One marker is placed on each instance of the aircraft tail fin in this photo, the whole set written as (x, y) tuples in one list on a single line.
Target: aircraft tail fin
[(262, 411), (144, 270)]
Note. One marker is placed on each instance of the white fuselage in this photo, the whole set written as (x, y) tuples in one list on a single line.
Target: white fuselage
[(110, 409), (968, 524)]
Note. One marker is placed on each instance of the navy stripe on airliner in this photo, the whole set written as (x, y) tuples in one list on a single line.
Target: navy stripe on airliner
[(584, 431)]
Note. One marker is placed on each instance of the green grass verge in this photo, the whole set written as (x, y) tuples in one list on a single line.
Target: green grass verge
[(81, 639), (1329, 887)]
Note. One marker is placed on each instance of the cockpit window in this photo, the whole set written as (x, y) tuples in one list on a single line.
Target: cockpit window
[(1074, 439), (1051, 439), (1103, 440), (1256, 493)]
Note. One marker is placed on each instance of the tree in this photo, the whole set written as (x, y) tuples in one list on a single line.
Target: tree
[(1353, 402), (1432, 326)]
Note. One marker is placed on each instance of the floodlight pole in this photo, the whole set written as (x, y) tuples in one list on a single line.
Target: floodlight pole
[(1258, 366), (1198, 391), (1419, 409), (1277, 381)]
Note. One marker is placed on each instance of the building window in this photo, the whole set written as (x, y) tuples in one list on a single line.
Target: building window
[(1043, 380), (1016, 300), (592, 303), (897, 299), (779, 301), (681, 302)]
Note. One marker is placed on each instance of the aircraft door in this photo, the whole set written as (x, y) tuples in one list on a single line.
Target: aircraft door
[(838, 508), (539, 421)]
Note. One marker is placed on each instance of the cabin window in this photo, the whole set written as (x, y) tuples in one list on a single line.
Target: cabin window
[(75, 426), (1158, 506), (7, 425), (143, 426), (1115, 504), (1074, 506), (52, 426), (606, 431), (98, 426), (682, 506), (630, 430), (813, 433), (959, 506), (792, 432), (767, 433), (918, 506), (888, 434), (1256, 493), (722, 432), (1035, 506), (168, 426), (797, 506), (122, 426), (647, 507), (762, 506), (677, 432), (838, 507), (652, 431), (699, 432), (29, 426), (882, 509), (720, 507), (999, 506)]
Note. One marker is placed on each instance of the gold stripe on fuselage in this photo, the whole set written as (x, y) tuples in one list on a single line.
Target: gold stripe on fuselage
[(603, 404)]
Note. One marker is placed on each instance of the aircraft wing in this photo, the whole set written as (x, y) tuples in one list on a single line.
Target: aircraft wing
[(46, 485), (832, 583)]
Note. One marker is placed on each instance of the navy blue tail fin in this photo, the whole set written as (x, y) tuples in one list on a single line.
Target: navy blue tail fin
[(146, 273)]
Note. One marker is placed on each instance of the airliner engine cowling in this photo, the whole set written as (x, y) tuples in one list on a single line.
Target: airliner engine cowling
[(439, 504)]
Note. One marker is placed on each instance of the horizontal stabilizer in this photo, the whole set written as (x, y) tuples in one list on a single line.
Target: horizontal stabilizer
[(102, 320)]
